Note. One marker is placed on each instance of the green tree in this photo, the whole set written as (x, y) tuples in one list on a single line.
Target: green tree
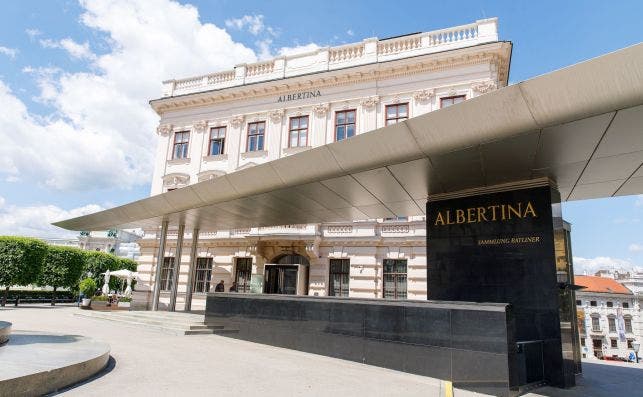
[(97, 262), (62, 267), (20, 261)]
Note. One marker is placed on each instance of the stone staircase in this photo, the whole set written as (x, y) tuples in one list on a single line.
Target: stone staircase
[(178, 323)]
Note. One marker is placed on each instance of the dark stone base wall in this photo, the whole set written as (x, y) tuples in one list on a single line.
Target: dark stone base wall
[(469, 344)]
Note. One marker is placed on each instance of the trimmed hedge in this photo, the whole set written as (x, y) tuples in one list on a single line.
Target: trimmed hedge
[(98, 262), (62, 267), (21, 261)]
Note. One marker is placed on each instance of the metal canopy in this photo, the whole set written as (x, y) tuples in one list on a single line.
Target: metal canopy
[(581, 126)]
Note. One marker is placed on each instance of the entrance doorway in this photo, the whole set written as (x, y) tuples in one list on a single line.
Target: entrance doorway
[(598, 347), (288, 275), (281, 280)]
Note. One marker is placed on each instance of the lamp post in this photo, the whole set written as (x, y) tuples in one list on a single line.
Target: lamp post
[(636, 345)]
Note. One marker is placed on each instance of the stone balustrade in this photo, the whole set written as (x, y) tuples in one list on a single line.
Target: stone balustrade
[(332, 58)]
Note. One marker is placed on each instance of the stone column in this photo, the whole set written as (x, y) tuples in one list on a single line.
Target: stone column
[(188, 289), (159, 265), (177, 268)]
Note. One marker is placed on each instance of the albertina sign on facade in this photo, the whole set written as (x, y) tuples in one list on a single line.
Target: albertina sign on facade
[(297, 96)]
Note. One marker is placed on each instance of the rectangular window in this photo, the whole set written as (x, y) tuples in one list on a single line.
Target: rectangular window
[(203, 275), (613, 343), (243, 274), (611, 322), (628, 325), (610, 304), (217, 141), (626, 305), (578, 303), (592, 303), (339, 276), (167, 272), (396, 113), (629, 343), (256, 132), (451, 100), (582, 341), (298, 131), (181, 140), (344, 124), (394, 278), (596, 324)]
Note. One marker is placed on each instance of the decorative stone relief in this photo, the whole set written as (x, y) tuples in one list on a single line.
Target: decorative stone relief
[(423, 95), (484, 86), (370, 102), (176, 180), (200, 126), (237, 121), (164, 129), (321, 109), (277, 115), (452, 92)]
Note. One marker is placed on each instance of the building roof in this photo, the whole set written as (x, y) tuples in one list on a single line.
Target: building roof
[(579, 127), (601, 285)]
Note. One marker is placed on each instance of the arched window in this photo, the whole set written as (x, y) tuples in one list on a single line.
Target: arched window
[(291, 259)]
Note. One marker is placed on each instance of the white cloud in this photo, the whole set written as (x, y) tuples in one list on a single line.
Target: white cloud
[(36, 221), (76, 50), (10, 52), (350, 32), (592, 265), (253, 23), (33, 33), (300, 49), (100, 133), (635, 247)]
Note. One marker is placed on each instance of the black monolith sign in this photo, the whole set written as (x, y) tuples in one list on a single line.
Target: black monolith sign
[(499, 247)]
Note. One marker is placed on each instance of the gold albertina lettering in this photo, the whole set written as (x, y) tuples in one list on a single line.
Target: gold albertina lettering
[(492, 213)]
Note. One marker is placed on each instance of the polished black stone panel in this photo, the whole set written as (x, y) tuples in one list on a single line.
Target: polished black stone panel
[(481, 250), (467, 343)]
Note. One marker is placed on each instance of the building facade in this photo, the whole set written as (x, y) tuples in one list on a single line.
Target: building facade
[(609, 316), (215, 124)]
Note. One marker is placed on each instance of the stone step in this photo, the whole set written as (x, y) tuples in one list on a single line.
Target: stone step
[(176, 325)]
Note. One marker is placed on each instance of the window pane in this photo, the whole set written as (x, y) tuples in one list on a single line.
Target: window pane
[(304, 122), (252, 128), (391, 112), (260, 142), (340, 133), (403, 111), (341, 117), (401, 286), (350, 130), (294, 122), (261, 127), (303, 137), (252, 143), (350, 117), (293, 138)]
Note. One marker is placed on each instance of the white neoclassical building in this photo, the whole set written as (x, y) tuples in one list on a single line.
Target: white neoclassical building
[(215, 124), (609, 316)]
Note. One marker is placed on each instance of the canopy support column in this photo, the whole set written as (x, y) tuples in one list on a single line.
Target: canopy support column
[(160, 257), (188, 289), (177, 269)]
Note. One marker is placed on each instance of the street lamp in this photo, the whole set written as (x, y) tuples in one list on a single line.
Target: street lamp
[(636, 345)]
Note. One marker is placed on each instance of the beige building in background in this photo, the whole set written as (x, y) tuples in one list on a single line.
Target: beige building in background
[(215, 124)]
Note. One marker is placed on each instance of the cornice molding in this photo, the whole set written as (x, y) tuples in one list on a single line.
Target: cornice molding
[(498, 57)]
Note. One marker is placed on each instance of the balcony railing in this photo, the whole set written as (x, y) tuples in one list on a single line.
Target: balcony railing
[(332, 58)]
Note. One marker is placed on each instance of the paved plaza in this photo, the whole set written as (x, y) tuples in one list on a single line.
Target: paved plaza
[(146, 361)]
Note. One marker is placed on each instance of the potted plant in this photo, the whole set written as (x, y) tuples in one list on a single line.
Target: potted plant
[(124, 302), (87, 287), (100, 302)]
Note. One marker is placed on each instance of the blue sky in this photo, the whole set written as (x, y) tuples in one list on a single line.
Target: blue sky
[(75, 78)]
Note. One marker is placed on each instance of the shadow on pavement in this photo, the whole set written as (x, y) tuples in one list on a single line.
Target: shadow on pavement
[(600, 380)]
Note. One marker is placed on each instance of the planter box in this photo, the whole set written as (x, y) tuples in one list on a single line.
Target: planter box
[(124, 305)]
